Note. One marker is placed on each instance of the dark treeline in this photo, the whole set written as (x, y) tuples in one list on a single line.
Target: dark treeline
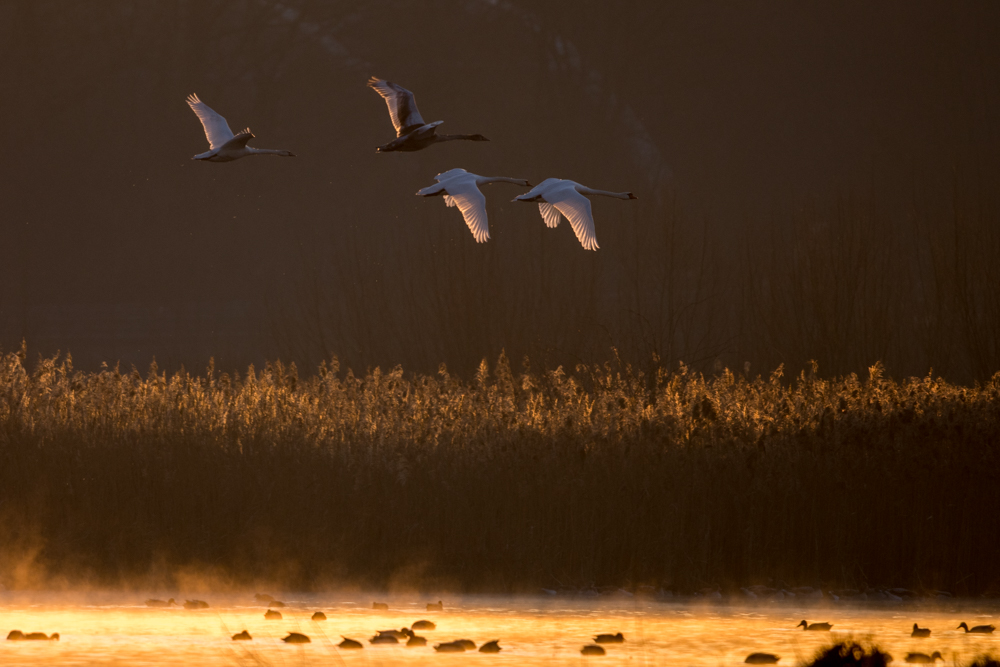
[(814, 183), (516, 479)]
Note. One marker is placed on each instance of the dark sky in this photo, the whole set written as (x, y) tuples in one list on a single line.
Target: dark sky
[(116, 245)]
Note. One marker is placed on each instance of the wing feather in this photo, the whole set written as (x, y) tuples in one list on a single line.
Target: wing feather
[(216, 128), (577, 210), (471, 202), (402, 105), (550, 214)]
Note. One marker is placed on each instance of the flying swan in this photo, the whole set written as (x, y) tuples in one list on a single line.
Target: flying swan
[(555, 196), (461, 189), (412, 133), (223, 145)]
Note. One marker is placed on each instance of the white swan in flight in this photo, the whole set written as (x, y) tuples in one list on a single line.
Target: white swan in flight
[(555, 196), (223, 145), (461, 189), (412, 133)]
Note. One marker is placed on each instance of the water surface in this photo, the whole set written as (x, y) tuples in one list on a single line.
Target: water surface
[(111, 629)]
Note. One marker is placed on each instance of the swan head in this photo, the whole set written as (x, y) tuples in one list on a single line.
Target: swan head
[(632, 196)]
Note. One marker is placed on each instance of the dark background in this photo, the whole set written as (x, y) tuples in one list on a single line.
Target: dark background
[(815, 181)]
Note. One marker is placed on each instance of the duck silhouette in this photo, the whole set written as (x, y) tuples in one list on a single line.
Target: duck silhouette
[(350, 644), (423, 625), (978, 629), (617, 638), (923, 658), (491, 647), (242, 637), (762, 659), (152, 602), (272, 615), (435, 606), (381, 606), (592, 649), (318, 616), (296, 638), (195, 604), (815, 627), (920, 632)]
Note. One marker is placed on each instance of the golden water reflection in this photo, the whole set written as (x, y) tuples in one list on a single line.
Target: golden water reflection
[(110, 629)]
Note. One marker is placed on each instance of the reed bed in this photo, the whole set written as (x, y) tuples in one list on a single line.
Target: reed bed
[(602, 475)]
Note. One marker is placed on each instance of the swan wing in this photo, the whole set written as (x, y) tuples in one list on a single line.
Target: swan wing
[(402, 106), (576, 208), (240, 140), (550, 214), (216, 128), (471, 202)]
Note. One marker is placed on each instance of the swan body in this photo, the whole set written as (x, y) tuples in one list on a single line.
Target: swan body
[(223, 145), (461, 189), (920, 632), (762, 659), (556, 196), (979, 629), (412, 133), (815, 627)]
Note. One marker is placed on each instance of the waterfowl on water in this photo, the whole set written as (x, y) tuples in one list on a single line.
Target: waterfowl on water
[(815, 627), (491, 647), (617, 638), (397, 634), (242, 637), (223, 145), (152, 602), (350, 644), (412, 133), (383, 639), (461, 189), (17, 635), (450, 647), (195, 604), (435, 606), (920, 632), (923, 658), (979, 629), (382, 606), (318, 616), (467, 643), (272, 615), (762, 659), (416, 640), (592, 649), (263, 597), (556, 196), (423, 625), (296, 638)]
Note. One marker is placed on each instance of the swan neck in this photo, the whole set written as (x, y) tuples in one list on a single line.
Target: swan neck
[(603, 193)]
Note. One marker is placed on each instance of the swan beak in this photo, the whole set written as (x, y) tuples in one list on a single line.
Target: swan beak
[(528, 185), (632, 196)]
